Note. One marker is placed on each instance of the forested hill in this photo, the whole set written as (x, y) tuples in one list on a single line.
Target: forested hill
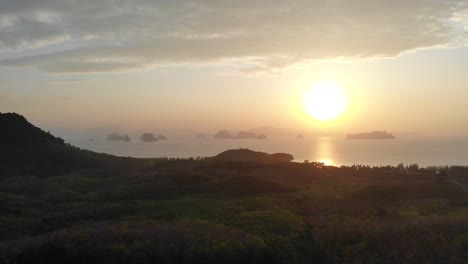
[(60, 204), (16, 130), (26, 149)]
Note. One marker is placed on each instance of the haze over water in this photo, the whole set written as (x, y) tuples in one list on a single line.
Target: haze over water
[(425, 151), (327, 66)]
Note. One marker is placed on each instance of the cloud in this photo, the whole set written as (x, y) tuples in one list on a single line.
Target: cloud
[(51, 81), (267, 35), (57, 81)]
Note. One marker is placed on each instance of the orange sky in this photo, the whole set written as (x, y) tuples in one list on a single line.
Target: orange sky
[(236, 65)]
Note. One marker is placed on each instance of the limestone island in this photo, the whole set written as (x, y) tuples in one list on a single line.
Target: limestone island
[(148, 137), (117, 137), (161, 137), (372, 135), (224, 134)]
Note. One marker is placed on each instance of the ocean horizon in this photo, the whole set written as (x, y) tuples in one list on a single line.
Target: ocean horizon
[(424, 151)]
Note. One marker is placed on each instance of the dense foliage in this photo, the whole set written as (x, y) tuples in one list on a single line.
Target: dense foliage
[(202, 211), (104, 209)]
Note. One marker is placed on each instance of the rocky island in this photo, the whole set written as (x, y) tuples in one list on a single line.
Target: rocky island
[(372, 135), (117, 137), (161, 137), (246, 134), (224, 134), (62, 204), (148, 137)]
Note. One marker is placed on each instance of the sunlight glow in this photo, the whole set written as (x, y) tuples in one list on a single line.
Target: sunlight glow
[(326, 162), (325, 101)]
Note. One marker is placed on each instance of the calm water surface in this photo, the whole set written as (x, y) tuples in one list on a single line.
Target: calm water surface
[(333, 151)]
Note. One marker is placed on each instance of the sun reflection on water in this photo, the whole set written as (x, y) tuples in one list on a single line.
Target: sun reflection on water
[(324, 151)]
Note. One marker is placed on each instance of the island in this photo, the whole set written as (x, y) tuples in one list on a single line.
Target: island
[(246, 134), (300, 136), (148, 137), (372, 135), (63, 204), (117, 137), (224, 134), (161, 137)]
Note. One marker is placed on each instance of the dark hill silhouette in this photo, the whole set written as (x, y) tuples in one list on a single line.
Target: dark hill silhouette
[(16, 130), (247, 155), (26, 149)]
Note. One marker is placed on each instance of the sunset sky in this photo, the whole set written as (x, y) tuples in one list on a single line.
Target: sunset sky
[(210, 65)]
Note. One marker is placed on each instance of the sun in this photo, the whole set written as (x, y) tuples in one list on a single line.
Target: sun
[(325, 101)]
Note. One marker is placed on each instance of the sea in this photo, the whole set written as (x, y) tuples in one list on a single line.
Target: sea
[(335, 151)]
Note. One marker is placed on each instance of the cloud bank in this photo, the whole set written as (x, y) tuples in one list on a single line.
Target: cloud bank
[(87, 36)]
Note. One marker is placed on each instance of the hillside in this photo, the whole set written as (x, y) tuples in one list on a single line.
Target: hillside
[(247, 155), (16, 130), (26, 149), (60, 204)]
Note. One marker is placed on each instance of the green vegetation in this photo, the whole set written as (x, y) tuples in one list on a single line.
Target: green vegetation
[(206, 211), (104, 209)]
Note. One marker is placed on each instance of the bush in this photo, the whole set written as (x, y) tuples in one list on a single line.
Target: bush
[(150, 242)]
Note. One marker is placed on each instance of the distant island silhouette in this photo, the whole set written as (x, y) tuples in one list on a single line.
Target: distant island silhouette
[(149, 137), (117, 137), (161, 137), (62, 204), (371, 135), (224, 134), (300, 136)]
